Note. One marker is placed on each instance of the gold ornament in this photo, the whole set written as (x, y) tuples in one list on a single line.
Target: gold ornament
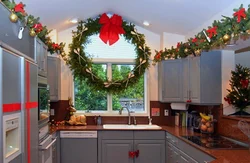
[(226, 38), (248, 31), (186, 50), (13, 17), (32, 33), (197, 52)]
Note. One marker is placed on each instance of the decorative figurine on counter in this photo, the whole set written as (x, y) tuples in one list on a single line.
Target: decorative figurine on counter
[(73, 119)]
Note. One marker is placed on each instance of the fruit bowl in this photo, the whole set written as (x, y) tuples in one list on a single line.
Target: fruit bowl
[(206, 124)]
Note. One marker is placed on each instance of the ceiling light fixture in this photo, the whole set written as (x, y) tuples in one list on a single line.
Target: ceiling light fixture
[(73, 20), (146, 23)]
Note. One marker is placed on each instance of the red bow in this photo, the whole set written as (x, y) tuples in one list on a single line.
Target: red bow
[(158, 55), (111, 28), (194, 40), (55, 46), (240, 14), (212, 32), (19, 8), (244, 83), (228, 100), (38, 27), (178, 45)]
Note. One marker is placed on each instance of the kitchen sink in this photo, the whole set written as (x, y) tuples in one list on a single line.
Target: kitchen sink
[(132, 127)]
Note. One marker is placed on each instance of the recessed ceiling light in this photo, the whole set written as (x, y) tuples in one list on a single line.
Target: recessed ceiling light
[(73, 20), (146, 23)]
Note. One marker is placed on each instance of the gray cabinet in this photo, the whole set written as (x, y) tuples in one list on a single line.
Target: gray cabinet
[(170, 80), (181, 152), (116, 146), (9, 34), (192, 79), (114, 151), (41, 52), (54, 77), (150, 151)]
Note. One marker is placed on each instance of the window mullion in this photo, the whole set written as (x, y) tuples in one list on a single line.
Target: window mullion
[(109, 96)]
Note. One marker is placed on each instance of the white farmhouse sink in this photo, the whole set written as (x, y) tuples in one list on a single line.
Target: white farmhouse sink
[(132, 127)]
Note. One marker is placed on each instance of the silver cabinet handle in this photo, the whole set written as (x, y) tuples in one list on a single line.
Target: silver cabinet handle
[(50, 144)]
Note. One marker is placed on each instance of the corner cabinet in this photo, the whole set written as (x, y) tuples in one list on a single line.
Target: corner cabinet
[(41, 53), (131, 147), (54, 77), (192, 79)]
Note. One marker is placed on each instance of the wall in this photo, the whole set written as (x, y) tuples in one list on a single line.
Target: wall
[(228, 11)]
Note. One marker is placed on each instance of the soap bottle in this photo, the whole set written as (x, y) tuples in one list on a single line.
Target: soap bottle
[(99, 120)]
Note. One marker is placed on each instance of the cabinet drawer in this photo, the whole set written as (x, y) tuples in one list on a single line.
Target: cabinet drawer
[(116, 135), (172, 139), (149, 135)]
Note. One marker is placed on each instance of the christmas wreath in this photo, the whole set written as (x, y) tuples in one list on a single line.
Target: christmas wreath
[(109, 30)]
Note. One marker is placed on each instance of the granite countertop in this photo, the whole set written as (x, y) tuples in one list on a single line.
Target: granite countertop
[(222, 156)]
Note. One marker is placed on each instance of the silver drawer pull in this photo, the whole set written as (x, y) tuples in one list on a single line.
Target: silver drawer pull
[(46, 148)]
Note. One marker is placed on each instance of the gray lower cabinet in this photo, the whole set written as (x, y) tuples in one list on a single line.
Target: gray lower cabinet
[(114, 151), (78, 150), (116, 146), (150, 151)]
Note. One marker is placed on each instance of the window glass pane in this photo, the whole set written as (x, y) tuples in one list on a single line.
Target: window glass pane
[(85, 97), (96, 48), (133, 97)]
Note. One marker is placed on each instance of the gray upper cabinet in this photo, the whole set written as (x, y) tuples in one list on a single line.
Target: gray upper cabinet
[(114, 151), (192, 79), (41, 53), (9, 34), (54, 77), (170, 87), (150, 151)]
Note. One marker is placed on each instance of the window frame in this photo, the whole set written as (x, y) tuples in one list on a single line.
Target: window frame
[(109, 111)]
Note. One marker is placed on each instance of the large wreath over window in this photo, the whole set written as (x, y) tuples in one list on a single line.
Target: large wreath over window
[(109, 29)]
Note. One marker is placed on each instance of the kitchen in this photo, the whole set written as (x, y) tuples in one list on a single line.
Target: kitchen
[(175, 107)]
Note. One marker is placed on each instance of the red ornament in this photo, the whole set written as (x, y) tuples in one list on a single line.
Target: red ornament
[(178, 45), (228, 100), (212, 32), (38, 27), (194, 40), (19, 8), (111, 28), (244, 83), (55, 46), (241, 13), (189, 101), (158, 55)]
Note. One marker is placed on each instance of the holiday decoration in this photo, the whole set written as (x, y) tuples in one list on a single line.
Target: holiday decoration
[(239, 94), (241, 13), (111, 28), (38, 27), (13, 17), (186, 50), (217, 35), (19, 8), (32, 33), (81, 65), (226, 38)]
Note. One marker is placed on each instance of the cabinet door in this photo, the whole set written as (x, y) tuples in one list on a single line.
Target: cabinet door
[(114, 151), (185, 80), (170, 80), (150, 151), (44, 54), (54, 78), (41, 57), (194, 79), (169, 154)]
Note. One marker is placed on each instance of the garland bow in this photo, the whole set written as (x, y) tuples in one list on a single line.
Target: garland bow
[(19, 8), (241, 13), (212, 32), (38, 27), (111, 28)]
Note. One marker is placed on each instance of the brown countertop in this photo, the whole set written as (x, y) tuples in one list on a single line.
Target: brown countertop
[(222, 156)]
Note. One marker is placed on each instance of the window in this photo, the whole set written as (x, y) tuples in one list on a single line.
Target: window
[(111, 62)]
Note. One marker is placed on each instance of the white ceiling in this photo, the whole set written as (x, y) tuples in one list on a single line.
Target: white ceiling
[(173, 16)]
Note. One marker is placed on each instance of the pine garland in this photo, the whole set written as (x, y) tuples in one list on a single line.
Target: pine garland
[(81, 64)]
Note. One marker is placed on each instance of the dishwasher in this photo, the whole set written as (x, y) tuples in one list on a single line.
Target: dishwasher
[(78, 146)]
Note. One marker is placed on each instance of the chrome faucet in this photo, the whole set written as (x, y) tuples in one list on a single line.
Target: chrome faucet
[(129, 117)]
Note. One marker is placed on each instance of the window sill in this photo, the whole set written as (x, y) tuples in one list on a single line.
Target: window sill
[(112, 114)]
